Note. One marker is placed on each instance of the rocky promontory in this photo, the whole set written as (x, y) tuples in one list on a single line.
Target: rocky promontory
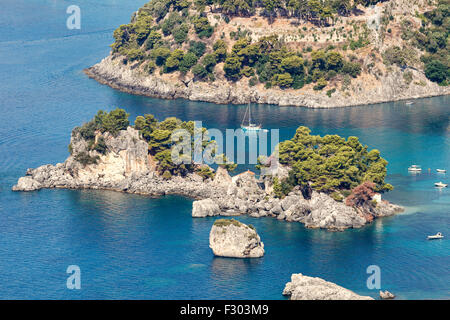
[(112, 72), (234, 239), (308, 288)]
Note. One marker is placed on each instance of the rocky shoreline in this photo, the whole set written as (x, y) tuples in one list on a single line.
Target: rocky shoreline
[(127, 167), (112, 72)]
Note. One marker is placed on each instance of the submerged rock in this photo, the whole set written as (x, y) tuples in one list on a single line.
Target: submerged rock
[(231, 238), (308, 288)]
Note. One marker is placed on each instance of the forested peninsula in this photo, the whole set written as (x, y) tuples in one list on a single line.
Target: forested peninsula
[(311, 53)]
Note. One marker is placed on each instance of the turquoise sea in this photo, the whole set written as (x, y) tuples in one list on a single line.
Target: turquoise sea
[(135, 247)]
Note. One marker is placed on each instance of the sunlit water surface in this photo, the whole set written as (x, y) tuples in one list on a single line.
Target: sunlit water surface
[(131, 246)]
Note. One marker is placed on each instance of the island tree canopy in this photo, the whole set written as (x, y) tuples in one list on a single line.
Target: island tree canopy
[(330, 163)]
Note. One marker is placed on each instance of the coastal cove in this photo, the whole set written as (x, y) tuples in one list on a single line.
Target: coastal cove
[(137, 247)]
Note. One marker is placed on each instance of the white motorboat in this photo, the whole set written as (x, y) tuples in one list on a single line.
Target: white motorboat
[(441, 170), (436, 236), (440, 185), (409, 103), (415, 168)]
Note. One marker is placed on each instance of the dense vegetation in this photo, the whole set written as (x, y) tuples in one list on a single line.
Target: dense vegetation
[(159, 138), (275, 65), (433, 38), (158, 38), (330, 164), (168, 36)]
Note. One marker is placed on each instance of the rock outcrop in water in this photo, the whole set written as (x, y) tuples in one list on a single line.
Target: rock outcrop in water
[(234, 239), (127, 167), (308, 288), (386, 295)]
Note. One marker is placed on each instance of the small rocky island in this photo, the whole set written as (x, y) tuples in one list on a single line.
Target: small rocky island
[(234, 239), (323, 182), (318, 54), (308, 288)]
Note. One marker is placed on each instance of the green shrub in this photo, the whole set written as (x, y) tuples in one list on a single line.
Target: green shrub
[(438, 72), (167, 175), (188, 61), (330, 92), (84, 158), (150, 67), (135, 54), (253, 81), (197, 47), (408, 77), (199, 71), (337, 196), (351, 68), (180, 33), (232, 68), (283, 80), (321, 83), (160, 55), (209, 61), (205, 172), (100, 146), (113, 121), (220, 50), (202, 27)]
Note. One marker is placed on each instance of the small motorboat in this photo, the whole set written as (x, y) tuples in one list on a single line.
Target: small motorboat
[(415, 168), (441, 170), (436, 236), (409, 103), (440, 185)]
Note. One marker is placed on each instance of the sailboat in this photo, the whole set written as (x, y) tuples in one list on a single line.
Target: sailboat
[(250, 127)]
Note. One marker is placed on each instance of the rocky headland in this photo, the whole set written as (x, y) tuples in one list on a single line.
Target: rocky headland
[(234, 239), (308, 288), (112, 72), (124, 164)]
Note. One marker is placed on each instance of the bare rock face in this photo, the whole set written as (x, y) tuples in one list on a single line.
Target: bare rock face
[(231, 238), (126, 156), (330, 214), (205, 208), (222, 177), (308, 288)]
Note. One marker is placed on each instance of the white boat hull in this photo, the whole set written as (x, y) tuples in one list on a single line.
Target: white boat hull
[(440, 185), (435, 237)]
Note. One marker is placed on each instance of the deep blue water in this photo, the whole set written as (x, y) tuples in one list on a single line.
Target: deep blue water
[(131, 246)]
